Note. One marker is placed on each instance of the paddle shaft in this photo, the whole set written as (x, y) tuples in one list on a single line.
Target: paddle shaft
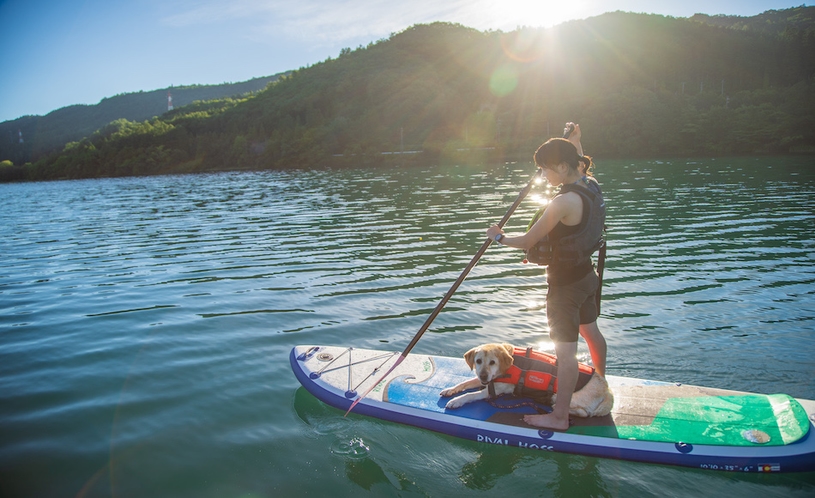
[(568, 131), (601, 265), (458, 282), (471, 265), (452, 290)]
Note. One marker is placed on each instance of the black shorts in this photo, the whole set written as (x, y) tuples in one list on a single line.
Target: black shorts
[(572, 305)]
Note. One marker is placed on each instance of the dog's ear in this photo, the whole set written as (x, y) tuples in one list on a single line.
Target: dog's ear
[(468, 357), (505, 359)]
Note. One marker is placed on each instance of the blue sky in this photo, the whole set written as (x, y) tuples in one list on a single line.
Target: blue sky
[(61, 52)]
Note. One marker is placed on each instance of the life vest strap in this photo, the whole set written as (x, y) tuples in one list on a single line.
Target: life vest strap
[(519, 387)]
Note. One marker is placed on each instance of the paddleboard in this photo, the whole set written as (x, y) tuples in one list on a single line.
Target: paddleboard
[(656, 422)]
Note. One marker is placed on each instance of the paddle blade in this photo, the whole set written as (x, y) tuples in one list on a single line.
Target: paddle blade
[(366, 393)]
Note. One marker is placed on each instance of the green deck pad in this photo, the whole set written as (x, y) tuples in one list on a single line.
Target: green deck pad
[(719, 420)]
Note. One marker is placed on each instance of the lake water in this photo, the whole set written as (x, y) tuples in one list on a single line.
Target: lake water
[(145, 323)]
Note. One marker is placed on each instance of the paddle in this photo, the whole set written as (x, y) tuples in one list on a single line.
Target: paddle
[(458, 281), (601, 265)]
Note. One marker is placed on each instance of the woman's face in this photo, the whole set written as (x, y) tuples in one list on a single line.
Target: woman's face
[(555, 174)]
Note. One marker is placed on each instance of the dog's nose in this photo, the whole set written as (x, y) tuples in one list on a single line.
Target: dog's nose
[(484, 378)]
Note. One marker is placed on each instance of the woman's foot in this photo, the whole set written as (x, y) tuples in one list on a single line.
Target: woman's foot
[(548, 421)]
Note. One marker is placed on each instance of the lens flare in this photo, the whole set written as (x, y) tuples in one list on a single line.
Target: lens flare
[(524, 45), (503, 81)]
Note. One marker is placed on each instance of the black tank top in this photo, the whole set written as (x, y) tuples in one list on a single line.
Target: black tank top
[(568, 274)]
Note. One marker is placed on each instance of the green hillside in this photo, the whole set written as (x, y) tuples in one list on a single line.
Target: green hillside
[(50, 133), (640, 85), (789, 22)]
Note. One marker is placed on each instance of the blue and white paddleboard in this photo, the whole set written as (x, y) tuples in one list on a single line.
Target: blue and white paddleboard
[(655, 422)]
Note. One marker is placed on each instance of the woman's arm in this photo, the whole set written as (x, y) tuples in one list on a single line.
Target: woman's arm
[(575, 137), (562, 208)]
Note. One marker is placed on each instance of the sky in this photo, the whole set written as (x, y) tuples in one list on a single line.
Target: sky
[(57, 53)]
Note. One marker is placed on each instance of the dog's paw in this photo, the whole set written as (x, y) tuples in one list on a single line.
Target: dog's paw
[(454, 403), (448, 392)]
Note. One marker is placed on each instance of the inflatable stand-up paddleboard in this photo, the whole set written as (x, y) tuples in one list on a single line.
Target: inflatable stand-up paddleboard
[(652, 421)]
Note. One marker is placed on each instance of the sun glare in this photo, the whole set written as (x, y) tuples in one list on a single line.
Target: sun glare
[(509, 14), (539, 199), (546, 346)]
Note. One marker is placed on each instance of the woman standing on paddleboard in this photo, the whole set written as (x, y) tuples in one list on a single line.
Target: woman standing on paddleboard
[(563, 238)]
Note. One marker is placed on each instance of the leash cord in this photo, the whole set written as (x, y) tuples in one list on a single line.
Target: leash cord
[(494, 402)]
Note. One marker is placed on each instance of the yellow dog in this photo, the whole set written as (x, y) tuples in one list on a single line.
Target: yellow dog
[(492, 361)]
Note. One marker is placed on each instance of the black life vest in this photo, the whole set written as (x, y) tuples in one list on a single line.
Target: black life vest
[(588, 236), (535, 371)]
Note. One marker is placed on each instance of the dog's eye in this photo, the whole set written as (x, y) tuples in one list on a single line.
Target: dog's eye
[(478, 361), (492, 362)]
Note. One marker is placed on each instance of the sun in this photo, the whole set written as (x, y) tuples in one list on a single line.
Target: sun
[(511, 14)]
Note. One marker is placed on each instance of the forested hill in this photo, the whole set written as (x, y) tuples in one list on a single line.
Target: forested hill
[(788, 22), (639, 85), (49, 133)]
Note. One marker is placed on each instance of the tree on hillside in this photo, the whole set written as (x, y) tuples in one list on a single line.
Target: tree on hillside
[(645, 85)]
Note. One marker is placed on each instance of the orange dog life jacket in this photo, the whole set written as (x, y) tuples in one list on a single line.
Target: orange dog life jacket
[(537, 371)]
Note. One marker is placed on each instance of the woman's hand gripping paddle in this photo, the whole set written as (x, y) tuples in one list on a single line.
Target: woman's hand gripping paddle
[(457, 283)]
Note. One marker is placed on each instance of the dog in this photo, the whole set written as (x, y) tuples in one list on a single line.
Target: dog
[(492, 361)]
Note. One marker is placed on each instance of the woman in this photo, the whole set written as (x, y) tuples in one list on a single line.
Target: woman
[(570, 221)]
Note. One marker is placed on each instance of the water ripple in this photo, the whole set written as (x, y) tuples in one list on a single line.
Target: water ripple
[(147, 321)]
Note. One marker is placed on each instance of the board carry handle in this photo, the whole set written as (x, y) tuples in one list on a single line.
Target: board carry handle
[(523, 193)]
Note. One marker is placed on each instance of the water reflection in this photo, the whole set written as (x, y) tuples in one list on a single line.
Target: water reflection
[(146, 321), (565, 475), (571, 476)]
